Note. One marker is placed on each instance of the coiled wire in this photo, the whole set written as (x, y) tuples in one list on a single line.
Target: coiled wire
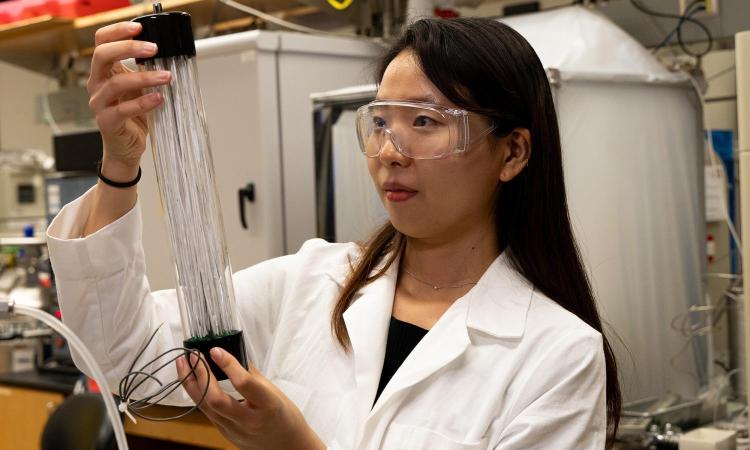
[(137, 376)]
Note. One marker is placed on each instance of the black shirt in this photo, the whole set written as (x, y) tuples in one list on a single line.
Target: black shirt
[(402, 338)]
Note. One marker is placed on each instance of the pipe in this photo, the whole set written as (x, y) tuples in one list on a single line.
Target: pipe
[(7, 306)]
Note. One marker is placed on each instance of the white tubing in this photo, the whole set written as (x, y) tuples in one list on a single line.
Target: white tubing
[(91, 365)]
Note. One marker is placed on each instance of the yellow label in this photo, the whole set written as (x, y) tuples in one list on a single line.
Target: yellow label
[(340, 4)]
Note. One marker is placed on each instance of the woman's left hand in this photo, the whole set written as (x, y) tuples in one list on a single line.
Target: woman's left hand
[(265, 420)]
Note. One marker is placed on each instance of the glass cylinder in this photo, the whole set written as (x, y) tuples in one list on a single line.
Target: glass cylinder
[(185, 175)]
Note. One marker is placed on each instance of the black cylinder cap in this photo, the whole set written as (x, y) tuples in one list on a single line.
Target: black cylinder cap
[(172, 32)]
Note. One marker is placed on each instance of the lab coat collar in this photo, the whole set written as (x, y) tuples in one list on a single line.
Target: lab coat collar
[(497, 305)]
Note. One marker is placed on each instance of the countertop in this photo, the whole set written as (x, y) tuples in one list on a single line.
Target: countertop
[(47, 381)]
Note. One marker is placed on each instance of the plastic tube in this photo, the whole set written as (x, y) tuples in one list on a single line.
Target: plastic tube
[(185, 173), (89, 361)]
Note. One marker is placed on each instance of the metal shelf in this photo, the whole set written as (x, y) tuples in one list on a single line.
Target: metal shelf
[(36, 43)]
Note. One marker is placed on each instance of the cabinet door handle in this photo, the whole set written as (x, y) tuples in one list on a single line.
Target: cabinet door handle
[(246, 193)]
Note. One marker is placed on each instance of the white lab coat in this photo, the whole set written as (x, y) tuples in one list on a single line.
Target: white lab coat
[(504, 368)]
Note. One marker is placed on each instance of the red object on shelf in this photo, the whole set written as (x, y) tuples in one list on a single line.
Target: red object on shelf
[(14, 10), (446, 13)]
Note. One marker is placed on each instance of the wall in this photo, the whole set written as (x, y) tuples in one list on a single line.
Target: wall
[(19, 127)]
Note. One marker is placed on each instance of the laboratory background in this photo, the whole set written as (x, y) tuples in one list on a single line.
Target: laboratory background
[(653, 100)]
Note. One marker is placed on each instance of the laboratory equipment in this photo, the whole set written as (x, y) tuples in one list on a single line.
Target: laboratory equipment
[(708, 439), (670, 409), (21, 189), (185, 173), (736, 341), (61, 188), (78, 150), (742, 59), (347, 205)]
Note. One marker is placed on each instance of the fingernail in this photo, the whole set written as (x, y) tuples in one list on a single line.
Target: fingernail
[(162, 76), (180, 363), (193, 359), (149, 46), (134, 26), (217, 354)]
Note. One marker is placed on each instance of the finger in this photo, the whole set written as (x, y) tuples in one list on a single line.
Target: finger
[(189, 382), (248, 384), (105, 55), (112, 119), (194, 374), (186, 380), (217, 405), (116, 32), (126, 83)]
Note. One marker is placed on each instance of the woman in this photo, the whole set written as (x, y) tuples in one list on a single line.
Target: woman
[(466, 322)]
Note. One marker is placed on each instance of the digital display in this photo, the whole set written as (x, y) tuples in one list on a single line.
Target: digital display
[(26, 194)]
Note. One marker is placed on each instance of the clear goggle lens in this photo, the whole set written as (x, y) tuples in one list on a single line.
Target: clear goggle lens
[(417, 130)]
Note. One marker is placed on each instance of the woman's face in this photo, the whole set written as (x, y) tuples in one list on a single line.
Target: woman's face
[(434, 199)]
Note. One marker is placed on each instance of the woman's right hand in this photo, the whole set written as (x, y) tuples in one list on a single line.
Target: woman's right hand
[(117, 100), (116, 97)]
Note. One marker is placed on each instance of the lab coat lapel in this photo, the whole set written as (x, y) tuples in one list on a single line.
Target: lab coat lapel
[(447, 340), (496, 306), (367, 321)]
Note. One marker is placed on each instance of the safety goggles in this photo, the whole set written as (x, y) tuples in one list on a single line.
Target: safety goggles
[(416, 130)]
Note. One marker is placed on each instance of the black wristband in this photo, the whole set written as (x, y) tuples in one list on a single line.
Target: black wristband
[(117, 184)]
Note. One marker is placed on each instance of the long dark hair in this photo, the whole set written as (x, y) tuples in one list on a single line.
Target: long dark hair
[(485, 66)]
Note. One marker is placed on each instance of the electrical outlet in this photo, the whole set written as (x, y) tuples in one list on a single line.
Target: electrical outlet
[(712, 8)]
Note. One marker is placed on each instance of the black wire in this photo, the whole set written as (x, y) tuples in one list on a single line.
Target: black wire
[(705, 29), (722, 365), (688, 13), (682, 18), (135, 378)]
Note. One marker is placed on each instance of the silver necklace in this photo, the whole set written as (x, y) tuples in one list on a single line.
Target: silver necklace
[(448, 286), (435, 286)]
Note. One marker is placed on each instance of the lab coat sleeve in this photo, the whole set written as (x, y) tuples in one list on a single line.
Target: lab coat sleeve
[(563, 403), (105, 297)]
